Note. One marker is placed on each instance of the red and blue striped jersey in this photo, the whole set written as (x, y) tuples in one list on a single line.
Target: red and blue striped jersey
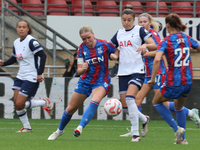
[(97, 59), (176, 47), (149, 60)]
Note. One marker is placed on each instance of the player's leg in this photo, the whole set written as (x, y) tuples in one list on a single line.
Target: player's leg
[(97, 95), (192, 113), (75, 101), (45, 102), (166, 114), (125, 110), (133, 111), (139, 98), (123, 101), (23, 90), (19, 101), (180, 114)]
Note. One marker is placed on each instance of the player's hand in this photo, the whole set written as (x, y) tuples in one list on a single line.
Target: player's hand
[(142, 49), (40, 78), (1, 62), (85, 66), (113, 56), (151, 82)]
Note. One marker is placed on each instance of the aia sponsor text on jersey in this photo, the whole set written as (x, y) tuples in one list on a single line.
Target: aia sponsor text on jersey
[(125, 43), (19, 56)]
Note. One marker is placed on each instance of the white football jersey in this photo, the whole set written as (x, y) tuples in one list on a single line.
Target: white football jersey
[(128, 42), (24, 52)]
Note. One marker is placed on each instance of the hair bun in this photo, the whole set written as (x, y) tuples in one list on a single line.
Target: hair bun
[(128, 6)]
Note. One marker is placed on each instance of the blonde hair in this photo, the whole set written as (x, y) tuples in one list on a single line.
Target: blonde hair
[(155, 25), (84, 29)]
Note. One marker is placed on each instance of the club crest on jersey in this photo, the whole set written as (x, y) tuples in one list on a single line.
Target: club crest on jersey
[(35, 44), (125, 43), (99, 50)]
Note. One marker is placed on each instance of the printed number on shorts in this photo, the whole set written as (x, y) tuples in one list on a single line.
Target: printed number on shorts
[(157, 80), (179, 52)]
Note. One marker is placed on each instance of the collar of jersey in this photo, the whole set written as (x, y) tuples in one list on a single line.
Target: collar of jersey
[(130, 29), (23, 38)]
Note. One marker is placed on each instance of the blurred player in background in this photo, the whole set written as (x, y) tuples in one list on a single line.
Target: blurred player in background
[(93, 55), (179, 76), (28, 52)]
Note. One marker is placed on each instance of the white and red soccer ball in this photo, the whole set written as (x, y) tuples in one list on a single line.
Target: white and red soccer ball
[(113, 107)]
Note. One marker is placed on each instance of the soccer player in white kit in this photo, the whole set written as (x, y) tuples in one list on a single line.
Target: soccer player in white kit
[(28, 52), (131, 72)]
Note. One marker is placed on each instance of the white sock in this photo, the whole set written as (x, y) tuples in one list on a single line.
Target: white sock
[(142, 117), (23, 117), (80, 127), (34, 103), (133, 114), (190, 113), (59, 131)]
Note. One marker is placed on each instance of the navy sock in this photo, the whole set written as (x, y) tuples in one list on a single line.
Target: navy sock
[(166, 115), (181, 118), (89, 113), (125, 110), (65, 119)]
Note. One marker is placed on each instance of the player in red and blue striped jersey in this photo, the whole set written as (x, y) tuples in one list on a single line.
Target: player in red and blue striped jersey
[(97, 60), (149, 60), (150, 25), (92, 63), (147, 21), (178, 81)]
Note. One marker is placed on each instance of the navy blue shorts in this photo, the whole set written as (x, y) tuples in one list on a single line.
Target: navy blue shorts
[(124, 81), (26, 87), (174, 92)]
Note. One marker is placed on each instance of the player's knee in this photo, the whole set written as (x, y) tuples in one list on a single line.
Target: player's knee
[(70, 109), (19, 105)]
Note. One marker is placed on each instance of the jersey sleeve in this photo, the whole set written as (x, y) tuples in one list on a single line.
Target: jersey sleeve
[(13, 52), (111, 47), (194, 44), (162, 46), (114, 40), (35, 46), (144, 34)]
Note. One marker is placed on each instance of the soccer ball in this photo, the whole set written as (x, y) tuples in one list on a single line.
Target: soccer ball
[(113, 107)]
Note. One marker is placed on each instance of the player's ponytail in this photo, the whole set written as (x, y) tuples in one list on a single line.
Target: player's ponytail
[(175, 22)]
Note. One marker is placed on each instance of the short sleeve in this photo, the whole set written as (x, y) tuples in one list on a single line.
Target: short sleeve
[(35, 46)]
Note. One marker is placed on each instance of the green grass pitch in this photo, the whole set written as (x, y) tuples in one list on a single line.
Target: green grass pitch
[(97, 135)]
